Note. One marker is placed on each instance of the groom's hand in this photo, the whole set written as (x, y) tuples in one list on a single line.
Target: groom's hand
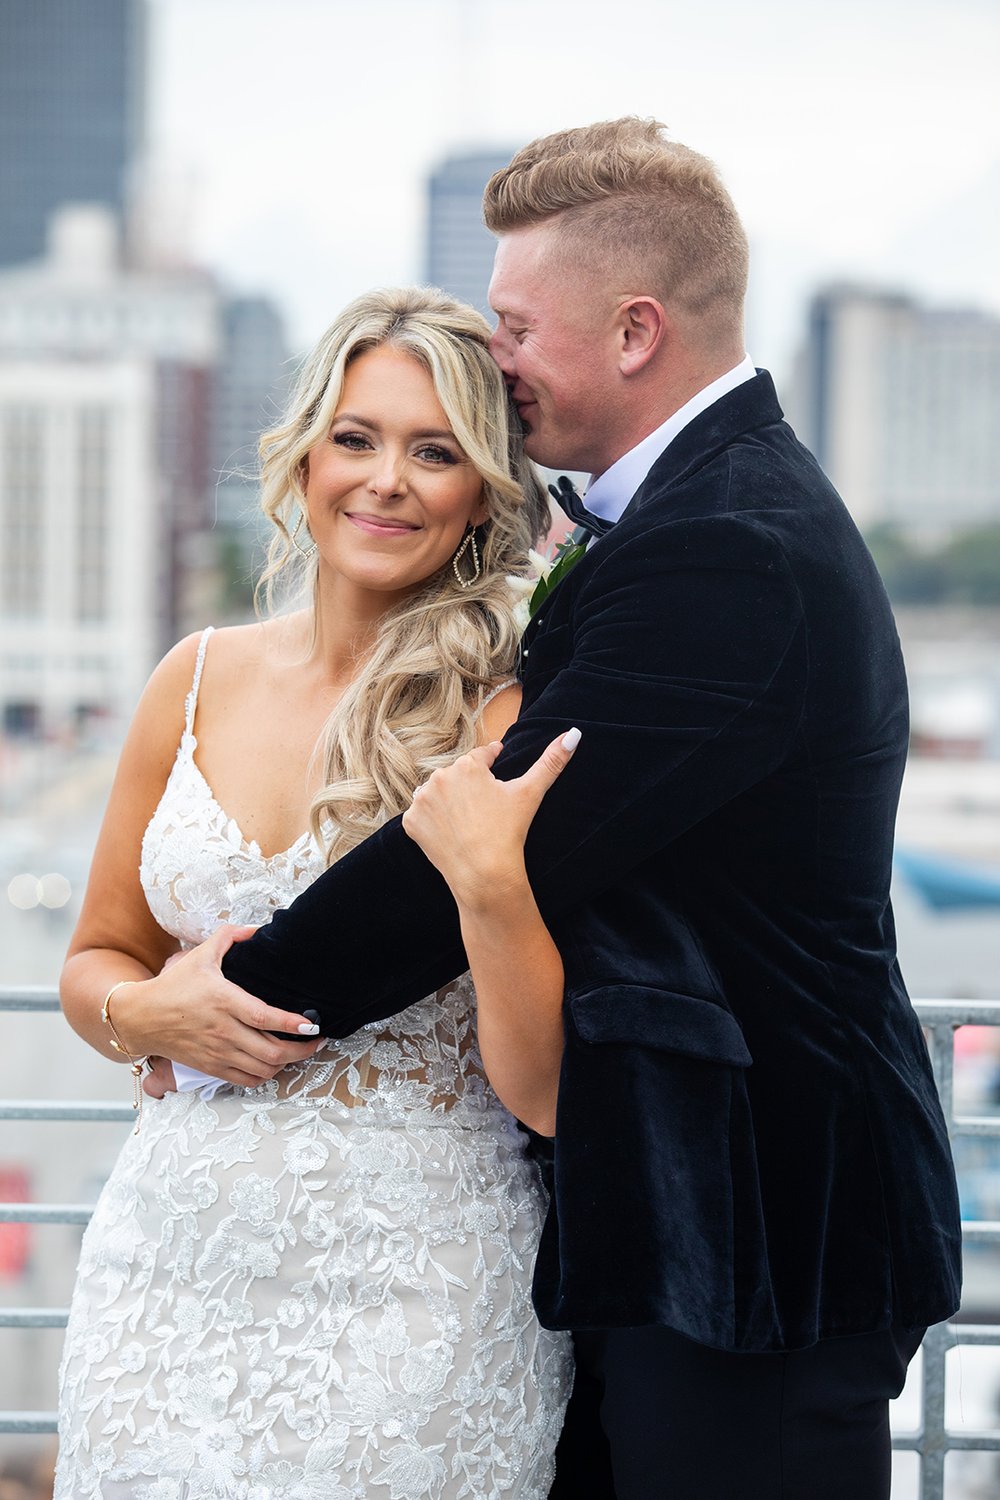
[(159, 1080)]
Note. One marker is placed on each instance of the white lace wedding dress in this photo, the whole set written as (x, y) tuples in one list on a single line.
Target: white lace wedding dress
[(318, 1289)]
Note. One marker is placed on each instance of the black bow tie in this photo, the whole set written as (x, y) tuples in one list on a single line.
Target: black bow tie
[(587, 524)]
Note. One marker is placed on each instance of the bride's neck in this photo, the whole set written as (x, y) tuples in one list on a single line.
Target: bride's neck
[(344, 622)]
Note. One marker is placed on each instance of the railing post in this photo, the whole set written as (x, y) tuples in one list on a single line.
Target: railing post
[(934, 1440), (942, 1049), (38, 998), (933, 1443), (934, 1436)]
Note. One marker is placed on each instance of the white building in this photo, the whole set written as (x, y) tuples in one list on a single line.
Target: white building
[(105, 445), (901, 405), (78, 503), (79, 299)]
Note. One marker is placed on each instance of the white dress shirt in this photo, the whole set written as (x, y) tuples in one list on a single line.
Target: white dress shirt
[(608, 495)]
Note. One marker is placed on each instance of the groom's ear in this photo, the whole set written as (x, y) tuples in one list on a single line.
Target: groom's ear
[(642, 324)]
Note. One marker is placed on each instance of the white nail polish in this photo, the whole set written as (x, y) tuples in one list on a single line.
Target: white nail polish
[(571, 739), (308, 1029)]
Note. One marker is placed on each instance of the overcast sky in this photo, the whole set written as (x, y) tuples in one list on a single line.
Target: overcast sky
[(860, 138)]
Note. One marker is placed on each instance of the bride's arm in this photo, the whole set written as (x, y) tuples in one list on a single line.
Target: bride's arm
[(117, 939), (472, 828)]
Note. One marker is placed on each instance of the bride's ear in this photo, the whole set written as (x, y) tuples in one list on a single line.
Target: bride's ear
[(642, 324), (480, 514)]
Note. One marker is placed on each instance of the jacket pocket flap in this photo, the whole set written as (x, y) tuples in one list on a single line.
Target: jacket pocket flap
[(641, 1016)]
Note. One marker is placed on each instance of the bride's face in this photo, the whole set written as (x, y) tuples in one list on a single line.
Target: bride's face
[(389, 492)]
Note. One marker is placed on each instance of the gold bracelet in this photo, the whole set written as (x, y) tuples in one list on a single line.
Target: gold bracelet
[(137, 1063)]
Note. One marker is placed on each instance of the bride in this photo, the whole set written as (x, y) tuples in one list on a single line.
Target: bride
[(308, 1275)]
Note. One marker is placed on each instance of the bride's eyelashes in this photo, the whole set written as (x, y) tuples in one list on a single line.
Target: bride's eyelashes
[(433, 453)]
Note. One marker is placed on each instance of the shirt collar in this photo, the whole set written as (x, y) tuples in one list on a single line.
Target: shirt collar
[(608, 495)]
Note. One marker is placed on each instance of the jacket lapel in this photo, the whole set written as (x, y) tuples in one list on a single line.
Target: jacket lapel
[(752, 405)]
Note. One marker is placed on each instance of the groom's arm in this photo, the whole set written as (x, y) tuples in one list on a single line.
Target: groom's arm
[(686, 680)]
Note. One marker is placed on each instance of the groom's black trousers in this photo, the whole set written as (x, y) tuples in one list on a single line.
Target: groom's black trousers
[(655, 1416)]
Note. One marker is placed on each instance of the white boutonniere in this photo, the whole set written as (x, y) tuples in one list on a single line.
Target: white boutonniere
[(546, 573)]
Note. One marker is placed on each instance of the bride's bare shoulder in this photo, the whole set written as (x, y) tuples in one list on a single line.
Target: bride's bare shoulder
[(230, 653), (500, 713), (234, 651), (171, 680)]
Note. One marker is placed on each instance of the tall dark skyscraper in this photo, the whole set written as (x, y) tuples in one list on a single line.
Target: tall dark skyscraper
[(459, 246), (72, 83)]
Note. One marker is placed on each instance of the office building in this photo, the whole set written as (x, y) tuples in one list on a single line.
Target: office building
[(251, 384), (899, 403), (459, 246), (72, 85), (106, 379), (209, 370), (78, 510)]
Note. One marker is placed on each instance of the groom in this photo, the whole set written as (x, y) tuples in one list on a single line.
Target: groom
[(754, 1212)]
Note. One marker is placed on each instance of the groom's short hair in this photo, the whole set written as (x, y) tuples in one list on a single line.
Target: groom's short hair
[(623, 197)]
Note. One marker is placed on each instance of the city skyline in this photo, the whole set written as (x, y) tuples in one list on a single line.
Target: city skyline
[(862, 146)]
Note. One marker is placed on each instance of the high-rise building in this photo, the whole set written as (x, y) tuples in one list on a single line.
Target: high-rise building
[(106, 379), (249, 395), (899, 403), (72, 83), (250, 391), (459, 246), (170, 384), (77, 541)]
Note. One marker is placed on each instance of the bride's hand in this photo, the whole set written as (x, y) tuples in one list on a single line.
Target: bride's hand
[(192, 1014), (472, 827)]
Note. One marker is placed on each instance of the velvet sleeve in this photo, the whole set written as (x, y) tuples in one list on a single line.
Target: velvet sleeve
[(686, 674)]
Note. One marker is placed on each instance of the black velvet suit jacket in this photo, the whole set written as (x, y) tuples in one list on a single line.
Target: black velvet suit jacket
[(749, 1147)]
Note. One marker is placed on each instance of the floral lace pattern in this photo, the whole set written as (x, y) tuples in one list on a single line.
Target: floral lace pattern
[(318, 1289)]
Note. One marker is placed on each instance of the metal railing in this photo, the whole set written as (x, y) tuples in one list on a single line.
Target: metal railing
[(931, 1441), (42, 998)]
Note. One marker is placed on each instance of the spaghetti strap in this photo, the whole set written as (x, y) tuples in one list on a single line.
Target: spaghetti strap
[(191, 701)]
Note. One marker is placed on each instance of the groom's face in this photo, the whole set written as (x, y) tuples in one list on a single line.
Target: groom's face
[(555, 343)]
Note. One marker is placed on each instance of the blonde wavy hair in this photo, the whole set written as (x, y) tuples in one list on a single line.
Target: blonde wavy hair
[(413, 703)]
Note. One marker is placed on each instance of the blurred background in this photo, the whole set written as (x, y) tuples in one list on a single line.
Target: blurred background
[(190, 190)]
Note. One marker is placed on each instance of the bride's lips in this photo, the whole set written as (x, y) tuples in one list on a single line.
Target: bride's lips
[(380, 525)]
